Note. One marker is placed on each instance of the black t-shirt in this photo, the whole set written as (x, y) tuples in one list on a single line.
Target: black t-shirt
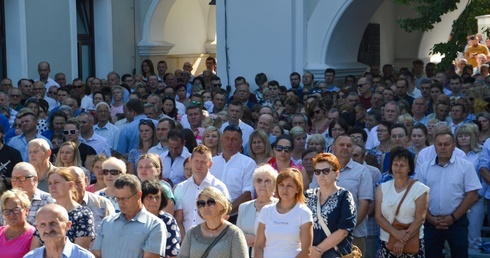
[(9, 157)]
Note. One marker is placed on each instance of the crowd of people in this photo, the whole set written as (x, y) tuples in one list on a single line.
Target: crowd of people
[(389, 163)]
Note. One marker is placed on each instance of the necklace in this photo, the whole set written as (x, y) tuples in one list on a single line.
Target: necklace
[(11, 235), (212, 229)]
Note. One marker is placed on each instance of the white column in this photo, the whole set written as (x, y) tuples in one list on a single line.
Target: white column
[(16, 39), (483, 22), (104, 54)]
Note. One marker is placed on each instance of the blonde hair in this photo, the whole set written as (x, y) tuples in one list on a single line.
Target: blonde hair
[(209, 130), (117, 162), (213, 192), (263, 137), (15, 194), (77, 160), (472, 130)]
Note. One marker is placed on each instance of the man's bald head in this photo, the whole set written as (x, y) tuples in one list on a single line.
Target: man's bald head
[(56, 210), (266, 122)]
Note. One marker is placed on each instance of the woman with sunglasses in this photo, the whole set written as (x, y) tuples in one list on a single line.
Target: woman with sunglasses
[(155, 200), (112, 169), (62, 188), (16, 235), (213, 207), (332, 207), (264, 179), (319, 122), (285, 228), (147, 139), (282, 150), (150, 168)]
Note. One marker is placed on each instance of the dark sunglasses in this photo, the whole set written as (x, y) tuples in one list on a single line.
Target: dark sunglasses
[(146, 122), (68, 132), (342, 96), (318, 111), (77, 87), (216, 85), (113, 172), (325, 171), (287, 149), (202, 203)]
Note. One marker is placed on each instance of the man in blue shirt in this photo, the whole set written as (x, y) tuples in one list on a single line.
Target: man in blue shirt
[(53, 223)]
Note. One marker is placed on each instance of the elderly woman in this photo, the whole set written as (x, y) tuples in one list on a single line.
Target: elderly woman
[(318, 142), (298, 135), (388, 206), (383, 133), (97, 170), (264, 179), (155, 201), (213, 207), (149, 169), (62, 188), (16, 236), (112, 169), (259, 147), (307, 163), (333, 210), (211, 138), (285, 228), (147, 139), (467, 140)]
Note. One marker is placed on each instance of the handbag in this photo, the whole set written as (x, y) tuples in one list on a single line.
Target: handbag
[(413, 245), (215, 241), (355, 253)]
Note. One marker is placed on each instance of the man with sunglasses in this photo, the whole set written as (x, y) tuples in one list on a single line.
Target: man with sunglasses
[(187, 192), (133, 232), (364, 86), (24, 177), (15, 95)]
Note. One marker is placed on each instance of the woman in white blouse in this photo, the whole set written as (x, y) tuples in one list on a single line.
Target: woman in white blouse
[(264, 179)]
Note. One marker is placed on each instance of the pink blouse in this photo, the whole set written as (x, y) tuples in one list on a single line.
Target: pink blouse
[(17, 247)]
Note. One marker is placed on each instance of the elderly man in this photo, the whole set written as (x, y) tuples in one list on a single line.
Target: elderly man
[(101, 207), (24, 177), (454, 183), (104, 128), (53, 224), (134, 232), (187, 192), (234, 168), (39, 153)]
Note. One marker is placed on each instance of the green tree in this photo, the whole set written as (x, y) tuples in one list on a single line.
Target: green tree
[(429, 12)]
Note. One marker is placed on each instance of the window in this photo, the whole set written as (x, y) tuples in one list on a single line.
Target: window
[(369, 49), (3, 54), (85, 39)]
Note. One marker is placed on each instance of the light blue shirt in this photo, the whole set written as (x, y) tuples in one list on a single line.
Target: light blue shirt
[(69, 251), (109, 132), (174, 169), (20, 143), (117, 237), (129, 136)]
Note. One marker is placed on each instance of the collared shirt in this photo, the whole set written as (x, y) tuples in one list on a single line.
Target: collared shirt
[(20, 143), (120, 238), (99, 143), (87, 103), (358, 180), (109, 132), (52, 103), (70, 250), (49, 82), (174, 169), (448, 184), (454, 127), (39, 199), (247, 130), (423, 121), (101, 207), (429, 153), (158, 149), (236, 174), (128, 137), (186, 194)]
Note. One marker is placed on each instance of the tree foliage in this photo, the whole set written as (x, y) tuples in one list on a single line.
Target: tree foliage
[(429, 12)]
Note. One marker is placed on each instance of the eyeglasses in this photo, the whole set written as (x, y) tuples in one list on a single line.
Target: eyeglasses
[(69, 132), (52, 92), (356, 138), (196, 103), (265, 181), (202, 203), (78, 87), (233, 128), (113, 172), (360, 85), (151, 198), (337, 130), (15, 210), (324, 171), (342, 96), (318, 111), (124, 199), (20, 178), (287, 149)]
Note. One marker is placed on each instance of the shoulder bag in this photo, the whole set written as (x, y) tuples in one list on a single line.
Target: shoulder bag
[(413, 245), (355, 253), (215, 241)]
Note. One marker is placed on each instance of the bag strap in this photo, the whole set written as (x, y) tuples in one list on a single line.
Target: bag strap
[(215, 241), (321, 219), (403, 198)]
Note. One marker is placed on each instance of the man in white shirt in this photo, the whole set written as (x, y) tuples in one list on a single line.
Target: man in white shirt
[(90, 138), (186, 193), (234, 168), (173, 159), (235, 112), (104, 128), (43, 69)]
